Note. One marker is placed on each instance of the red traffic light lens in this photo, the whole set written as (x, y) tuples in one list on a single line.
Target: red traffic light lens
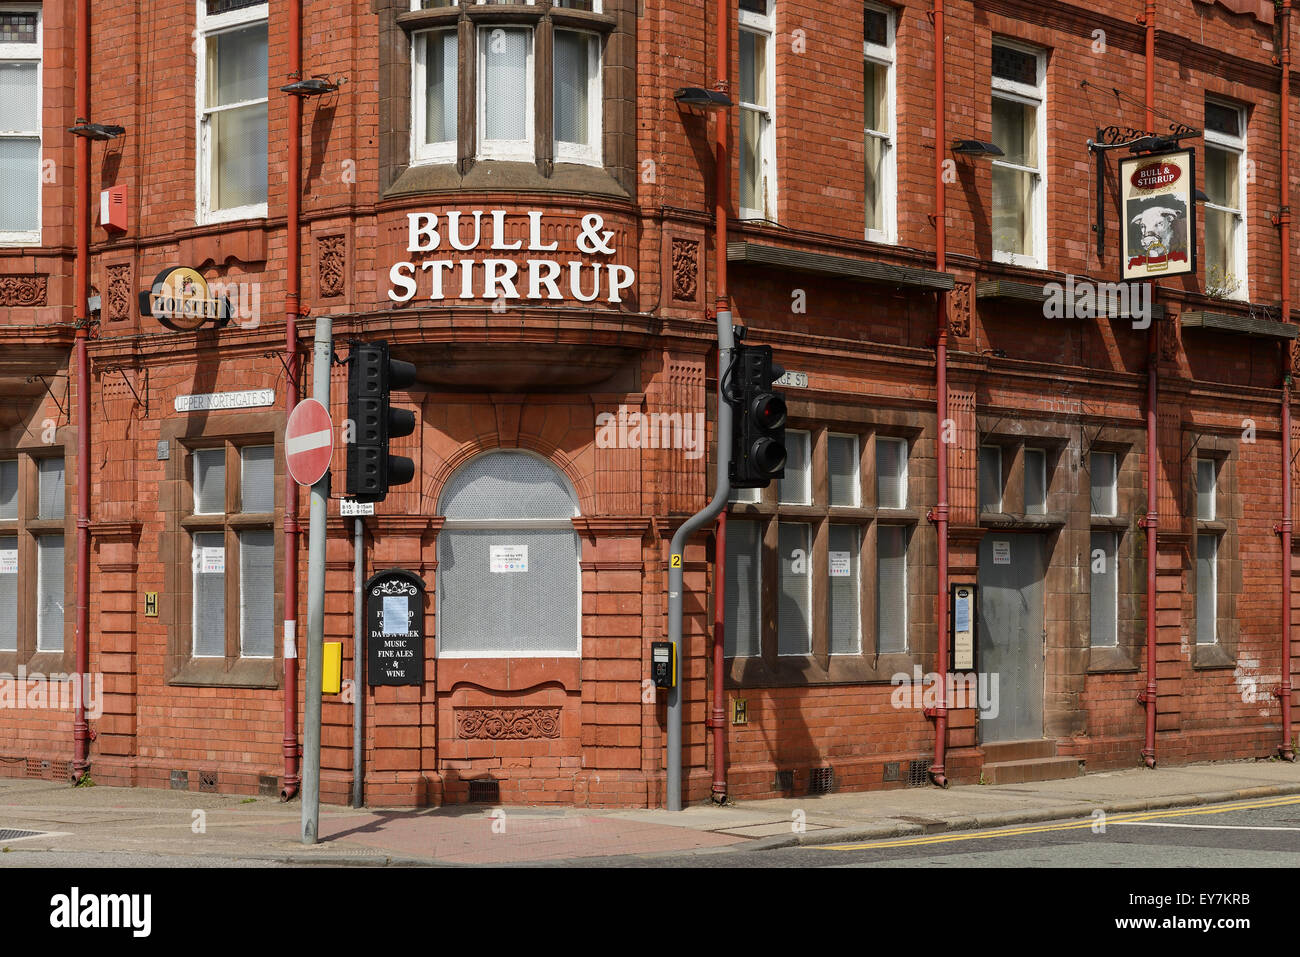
[(768, 411)]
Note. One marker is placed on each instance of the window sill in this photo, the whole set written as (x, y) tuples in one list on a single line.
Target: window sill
[(20, 239), (1015, 521), (1112, 522), (222, 673), (238, 214), (1111, 659), (494, 175), (803, 670), (1211, 657)]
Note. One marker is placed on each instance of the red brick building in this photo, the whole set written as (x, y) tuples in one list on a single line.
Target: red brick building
[(510, 195)]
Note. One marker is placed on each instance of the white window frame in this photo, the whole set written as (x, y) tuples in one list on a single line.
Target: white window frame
[(422, 152), (1213, 587), (764, 28), (1114, 485), (43, 640), (209, 26), (1035, 96), (1213, 490), (907, 613), (28, 52), (511, 150), (810, 535), (855, 480), (1237, 145), (590, 154), (885, 56), (905, 458), (857, 531), (1112, 537), (196, 560)]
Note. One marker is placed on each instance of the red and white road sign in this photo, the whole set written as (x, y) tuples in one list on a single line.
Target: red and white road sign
[(309, 442)]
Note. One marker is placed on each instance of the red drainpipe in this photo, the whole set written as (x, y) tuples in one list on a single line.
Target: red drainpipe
[(292, 309), (722, 199), (940, 514), (1152, 521), (80, 310), (1286, 749)]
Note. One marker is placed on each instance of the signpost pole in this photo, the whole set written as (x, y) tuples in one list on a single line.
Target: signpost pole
[(358, 657), (322, 361)]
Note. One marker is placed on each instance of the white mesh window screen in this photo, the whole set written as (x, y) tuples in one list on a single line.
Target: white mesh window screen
[(1205, 490), (440, 82), (508, 590), (1105, 594), (209, 595), (236, 111), (20, 155), (844, 618), (842, 466), (891, 589), (9, 593), (990, 478), (507, 485), (49, 593), (744, 590), (1035, 482), (257, 593), (9, 490), (574, 70), (1101, 469), (1207, 585), (257, 478), (51, 488), (209, 481), (891, 473), (794, 609), (505, 62), (796, 487), (531, 610)]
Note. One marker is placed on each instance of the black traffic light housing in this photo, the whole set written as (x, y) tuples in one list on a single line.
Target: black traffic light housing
[(372, 375), (759, 413)]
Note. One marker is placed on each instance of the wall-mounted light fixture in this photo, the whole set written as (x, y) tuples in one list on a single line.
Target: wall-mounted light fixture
[(976, 148), (316, 86), (699, 98), (96, 131)]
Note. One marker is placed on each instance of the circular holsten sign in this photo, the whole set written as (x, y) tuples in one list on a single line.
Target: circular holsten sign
[(308, 442)]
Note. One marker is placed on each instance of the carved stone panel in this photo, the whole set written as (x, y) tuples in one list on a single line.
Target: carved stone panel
[(331, 262), (959, 309), (117, 306), (504, 724), (23, 290), (686, 270)]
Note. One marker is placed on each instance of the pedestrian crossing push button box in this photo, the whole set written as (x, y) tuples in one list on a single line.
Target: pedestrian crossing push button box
[(663, 664)]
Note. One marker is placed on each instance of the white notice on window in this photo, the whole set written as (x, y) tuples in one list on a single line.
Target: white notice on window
[(509, 558), (8, 561), (214, 560), (397, 618), (840, 566), (1002, 553)]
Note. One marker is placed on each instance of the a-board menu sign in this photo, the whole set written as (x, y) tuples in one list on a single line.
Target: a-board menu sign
[(395, 628)]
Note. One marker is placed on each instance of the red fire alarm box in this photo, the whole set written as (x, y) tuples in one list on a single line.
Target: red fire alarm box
[(112, 208)]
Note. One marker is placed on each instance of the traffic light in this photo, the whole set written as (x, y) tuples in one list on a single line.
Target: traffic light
[(372, 375), (758, 426)]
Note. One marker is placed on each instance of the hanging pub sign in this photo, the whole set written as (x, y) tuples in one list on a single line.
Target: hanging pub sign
[(394, 626), (181, 300), (1158, 213)]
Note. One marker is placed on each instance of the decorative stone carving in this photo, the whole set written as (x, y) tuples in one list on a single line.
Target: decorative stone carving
[(23, 290), (959, 309), (331, 260), (118, 304), (686, 269), (502, 724), (1295, 359), (1169, 339)]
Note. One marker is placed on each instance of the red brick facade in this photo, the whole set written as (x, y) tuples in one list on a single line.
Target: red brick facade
[(535, 373)]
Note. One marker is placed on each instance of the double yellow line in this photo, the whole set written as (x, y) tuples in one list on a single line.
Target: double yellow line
[(1066, 826)]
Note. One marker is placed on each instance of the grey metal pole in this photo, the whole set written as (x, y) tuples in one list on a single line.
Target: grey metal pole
[(322, 360), (358, 656), (678, 547)]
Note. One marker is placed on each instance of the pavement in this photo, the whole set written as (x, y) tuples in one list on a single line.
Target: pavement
[(110, 826)]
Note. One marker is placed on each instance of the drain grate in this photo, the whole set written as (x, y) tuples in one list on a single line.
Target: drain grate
[(893, 771), (180, 780), (917, 774), (207, 780), (784, 781), (821, 780), (13, 834), (62, 771), (35, 768), (485, 791)]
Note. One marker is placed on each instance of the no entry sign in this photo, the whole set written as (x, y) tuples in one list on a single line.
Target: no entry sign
[(308, 442)]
